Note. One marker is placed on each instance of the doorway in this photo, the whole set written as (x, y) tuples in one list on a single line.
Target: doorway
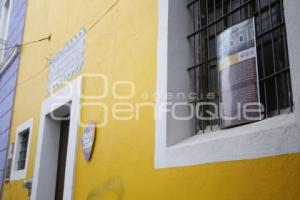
[(62, 158), (56, 152)]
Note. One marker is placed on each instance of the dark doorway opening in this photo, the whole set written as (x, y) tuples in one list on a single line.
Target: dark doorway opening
[(62, 158)]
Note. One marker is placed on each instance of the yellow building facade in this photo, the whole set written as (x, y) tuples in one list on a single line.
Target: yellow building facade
[(122, 43)]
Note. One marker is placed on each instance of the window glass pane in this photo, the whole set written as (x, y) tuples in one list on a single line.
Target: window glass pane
[(218, 8), (271, 96), (226, 6), (236, 17), (279, 50), (211, 13), (276, 14), (203, 13), (265, 21), (235, 4), (262, 96), (268, 55), (219, 27), (260, 61), (23, 149), (204, 46), (214, 79), (257, 25), (264, 3), (283, 91), (212, 48)]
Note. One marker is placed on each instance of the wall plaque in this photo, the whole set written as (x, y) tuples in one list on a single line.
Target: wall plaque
[(68, 61), (88, 139)]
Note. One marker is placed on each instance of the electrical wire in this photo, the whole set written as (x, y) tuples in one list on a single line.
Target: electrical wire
[(27, 43), (102, 16), (49, 38), (33, 76)]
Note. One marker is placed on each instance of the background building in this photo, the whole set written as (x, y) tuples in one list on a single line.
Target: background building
[(11, 34)]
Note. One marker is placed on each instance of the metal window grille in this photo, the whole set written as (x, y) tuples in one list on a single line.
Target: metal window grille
[(210, 18), (23, 149)]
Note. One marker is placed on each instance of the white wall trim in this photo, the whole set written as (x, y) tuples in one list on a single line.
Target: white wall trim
[(72, 93), (21, 174), (161, 83), (270, 137)]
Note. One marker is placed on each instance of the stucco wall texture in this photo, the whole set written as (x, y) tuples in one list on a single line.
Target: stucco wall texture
[(123, 47)]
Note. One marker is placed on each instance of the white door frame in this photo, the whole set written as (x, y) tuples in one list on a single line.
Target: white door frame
[(70, 93)]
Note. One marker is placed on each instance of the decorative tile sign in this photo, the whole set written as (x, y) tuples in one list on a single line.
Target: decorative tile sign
[(88, 139), (67, 62)]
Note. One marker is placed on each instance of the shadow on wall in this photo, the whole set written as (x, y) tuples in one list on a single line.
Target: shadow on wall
[(112, 185)]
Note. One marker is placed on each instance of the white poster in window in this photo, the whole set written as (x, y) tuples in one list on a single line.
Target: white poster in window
[(238, 75)]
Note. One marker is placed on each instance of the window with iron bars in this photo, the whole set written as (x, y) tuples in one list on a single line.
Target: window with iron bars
[(210, 18)]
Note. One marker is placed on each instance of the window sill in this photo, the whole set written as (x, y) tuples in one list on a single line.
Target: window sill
[(275, 136), (18, 175)]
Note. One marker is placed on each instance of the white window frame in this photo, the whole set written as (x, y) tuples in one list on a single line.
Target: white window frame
[(15, 173), (274, 136)]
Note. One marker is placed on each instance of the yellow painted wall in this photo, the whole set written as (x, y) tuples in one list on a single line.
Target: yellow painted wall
[(123, 46)]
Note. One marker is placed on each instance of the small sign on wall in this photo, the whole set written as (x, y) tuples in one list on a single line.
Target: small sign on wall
[(88, 139)]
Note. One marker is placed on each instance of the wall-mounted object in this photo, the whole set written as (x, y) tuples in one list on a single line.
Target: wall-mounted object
[(9, 162), (88, 139), (27, 184), (67, 62)]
